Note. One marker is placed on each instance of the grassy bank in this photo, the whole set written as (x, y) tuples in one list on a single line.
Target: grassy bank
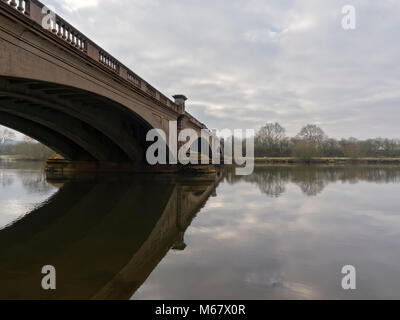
[(325, 160)]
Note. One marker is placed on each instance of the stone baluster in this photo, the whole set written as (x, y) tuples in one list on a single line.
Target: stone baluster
[(59, 33), (64, 33), (21, 5), (68, 34), (27, 7), (54, 26), (73, 38)]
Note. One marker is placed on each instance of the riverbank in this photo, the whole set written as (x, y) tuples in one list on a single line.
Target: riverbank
[(19, 158), (266, 160), (326, 160)]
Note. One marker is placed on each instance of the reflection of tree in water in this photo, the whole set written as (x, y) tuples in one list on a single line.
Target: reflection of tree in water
[(31, 174), (35, 182), (313, 179), (311, 182), (6, 180), (270, 182)]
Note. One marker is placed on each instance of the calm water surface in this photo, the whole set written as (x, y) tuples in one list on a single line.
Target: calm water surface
[(282, 233)]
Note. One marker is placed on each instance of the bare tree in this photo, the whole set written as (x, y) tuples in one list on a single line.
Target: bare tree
[(305, 150), (271, 136), (6, 135), (312, 134)]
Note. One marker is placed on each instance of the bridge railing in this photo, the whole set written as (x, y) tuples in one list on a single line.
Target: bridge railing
[(22, 6), (66, 32), (69, 34)]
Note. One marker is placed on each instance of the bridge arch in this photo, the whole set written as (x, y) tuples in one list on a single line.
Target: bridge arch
[(78, 124)]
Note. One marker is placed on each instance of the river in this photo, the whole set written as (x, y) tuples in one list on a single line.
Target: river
[(285, 232)]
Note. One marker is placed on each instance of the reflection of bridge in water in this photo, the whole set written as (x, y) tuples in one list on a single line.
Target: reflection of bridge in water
[(104, 237)]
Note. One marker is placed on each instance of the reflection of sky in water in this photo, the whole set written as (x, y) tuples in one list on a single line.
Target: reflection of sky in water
[(281, 233), (20, 192), (248, 245)]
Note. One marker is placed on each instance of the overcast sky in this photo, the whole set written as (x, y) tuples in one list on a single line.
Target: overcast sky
[(244, 63)]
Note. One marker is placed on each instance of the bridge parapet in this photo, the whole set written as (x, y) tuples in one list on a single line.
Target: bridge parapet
[(22, 6), (32, 10)]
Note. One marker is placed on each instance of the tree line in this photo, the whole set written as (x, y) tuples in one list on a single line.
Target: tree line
[(27, 149), (271, 141)]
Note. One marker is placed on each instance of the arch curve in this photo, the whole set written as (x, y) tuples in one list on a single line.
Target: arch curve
[(75, 123)]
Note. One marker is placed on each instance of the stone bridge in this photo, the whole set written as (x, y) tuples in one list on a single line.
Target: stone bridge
[(60, 88)]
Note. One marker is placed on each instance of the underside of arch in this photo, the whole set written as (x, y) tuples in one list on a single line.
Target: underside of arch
[(77, 124), (59, 143)]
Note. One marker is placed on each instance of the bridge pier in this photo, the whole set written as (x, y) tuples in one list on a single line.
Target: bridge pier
[(58, 166)]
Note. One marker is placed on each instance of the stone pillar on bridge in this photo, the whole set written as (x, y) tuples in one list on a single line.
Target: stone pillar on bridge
[(180, 101)]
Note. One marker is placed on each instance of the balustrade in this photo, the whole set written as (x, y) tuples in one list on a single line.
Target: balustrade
[(63, 30), (134, 79), (69, 34), (150, 90), (22, 6), (109, 61)]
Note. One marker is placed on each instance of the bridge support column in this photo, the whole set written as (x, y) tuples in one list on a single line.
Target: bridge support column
[(180, 100)]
